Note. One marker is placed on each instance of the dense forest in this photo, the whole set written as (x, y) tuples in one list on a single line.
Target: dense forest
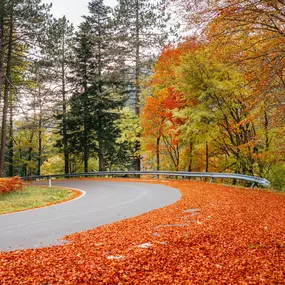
[(125, 90)]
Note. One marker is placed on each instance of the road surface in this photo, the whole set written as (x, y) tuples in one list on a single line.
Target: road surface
[(104, 202)]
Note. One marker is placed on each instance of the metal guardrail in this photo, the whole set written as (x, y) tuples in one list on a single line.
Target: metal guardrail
[(212, 175)]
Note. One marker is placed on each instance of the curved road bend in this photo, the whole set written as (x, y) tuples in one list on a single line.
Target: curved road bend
[(105, 202)]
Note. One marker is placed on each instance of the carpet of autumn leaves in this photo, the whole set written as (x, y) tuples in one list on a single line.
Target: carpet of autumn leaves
[(236, 237)]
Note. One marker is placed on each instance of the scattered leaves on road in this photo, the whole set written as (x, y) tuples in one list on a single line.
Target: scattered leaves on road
[(234, 236)]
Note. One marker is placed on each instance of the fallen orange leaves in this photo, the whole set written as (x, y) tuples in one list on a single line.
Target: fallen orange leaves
[(227, 236)]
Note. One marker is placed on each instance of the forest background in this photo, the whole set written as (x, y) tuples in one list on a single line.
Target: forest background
[(124, 90)]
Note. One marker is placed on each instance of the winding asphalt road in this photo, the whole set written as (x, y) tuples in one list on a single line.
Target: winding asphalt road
[(104, 202)]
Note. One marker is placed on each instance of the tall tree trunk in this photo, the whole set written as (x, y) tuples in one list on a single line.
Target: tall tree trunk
[(24, 167), (30, 154), (157, 154), (137, 61), (261, 164), (6, 91), (64, 126), (85, 151), (2, 10), (137, 87), (101, 154), (266, 130), (85, 131), (191, 157), (177, 157), (207, 157), (39, 148), (100, 90), (11, 140), (39, 134)]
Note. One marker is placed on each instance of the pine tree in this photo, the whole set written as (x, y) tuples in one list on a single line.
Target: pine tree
[(7, 83), (141, 27), (19, 67), (59, 54), (2, 15), (20, 23), (93, 107)]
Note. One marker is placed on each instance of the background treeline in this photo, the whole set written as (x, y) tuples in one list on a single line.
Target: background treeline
[(99, 98), (216, 101)]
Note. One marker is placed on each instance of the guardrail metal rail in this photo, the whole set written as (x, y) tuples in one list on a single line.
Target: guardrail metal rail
[(211, 175)]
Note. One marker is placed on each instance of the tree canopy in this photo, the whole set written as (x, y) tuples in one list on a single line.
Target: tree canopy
[(114, 93)]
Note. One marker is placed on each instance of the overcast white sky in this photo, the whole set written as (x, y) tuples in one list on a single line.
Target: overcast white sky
[(73, 9)]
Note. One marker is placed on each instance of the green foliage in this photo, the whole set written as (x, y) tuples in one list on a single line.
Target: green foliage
[(141, 31), (93, 108), (53, 165), (98, 66), (91, 125), (25, 148), (277, 177), (128, 124), (222, 111)]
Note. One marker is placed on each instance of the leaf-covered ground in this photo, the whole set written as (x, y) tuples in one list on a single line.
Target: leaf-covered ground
[(227, 236)]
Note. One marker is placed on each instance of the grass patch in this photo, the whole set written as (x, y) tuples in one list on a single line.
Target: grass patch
[(33, 197)]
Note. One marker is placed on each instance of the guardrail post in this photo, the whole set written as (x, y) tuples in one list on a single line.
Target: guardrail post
[(211, 180), (49, 182)]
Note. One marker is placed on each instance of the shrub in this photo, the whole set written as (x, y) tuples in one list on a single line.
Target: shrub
[(277, 177), (10, 184)]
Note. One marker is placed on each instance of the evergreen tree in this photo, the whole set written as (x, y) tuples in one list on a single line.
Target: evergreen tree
[(59, 55), (81, 74), (141, 28), (19, 67), (94, 105), (20, 25), (7, 83), (42, 100), (2, 14)]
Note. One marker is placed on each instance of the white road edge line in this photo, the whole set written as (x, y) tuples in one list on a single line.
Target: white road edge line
[(54, 205), (74, 215)]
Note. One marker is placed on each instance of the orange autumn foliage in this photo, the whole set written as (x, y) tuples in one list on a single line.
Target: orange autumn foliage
[(164, 71), (160, 125), (153, 116), (10, 184)]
